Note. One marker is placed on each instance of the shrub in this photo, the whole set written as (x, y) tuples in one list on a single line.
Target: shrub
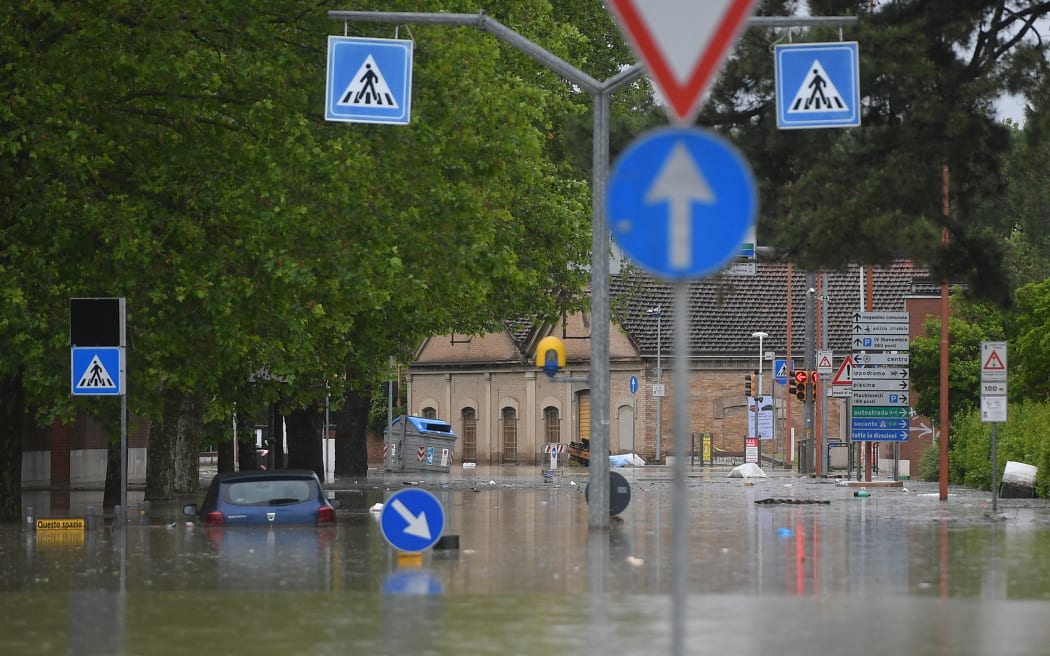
[(930, 464), (1023, 438)]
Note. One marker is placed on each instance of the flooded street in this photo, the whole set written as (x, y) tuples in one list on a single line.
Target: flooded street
[(781, 565)]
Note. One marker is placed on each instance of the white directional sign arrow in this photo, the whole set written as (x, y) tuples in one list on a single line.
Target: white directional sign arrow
[(681, 202), (417, 524), (680, 183)]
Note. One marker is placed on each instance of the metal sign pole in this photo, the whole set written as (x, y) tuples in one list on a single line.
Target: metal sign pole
[(995, 466), (124, 454), (679, 519)]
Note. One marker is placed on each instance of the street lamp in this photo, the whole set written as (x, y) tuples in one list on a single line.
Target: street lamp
[(658, 389), (761, 354), (758, 387)]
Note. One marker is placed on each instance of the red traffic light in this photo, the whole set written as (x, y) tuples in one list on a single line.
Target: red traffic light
[(801, 377)]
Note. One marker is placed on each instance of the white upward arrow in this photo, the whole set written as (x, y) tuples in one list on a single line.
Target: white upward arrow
[(417, 526), (680, 183)]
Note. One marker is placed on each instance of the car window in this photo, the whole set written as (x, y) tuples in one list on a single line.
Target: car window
[(256, 493)]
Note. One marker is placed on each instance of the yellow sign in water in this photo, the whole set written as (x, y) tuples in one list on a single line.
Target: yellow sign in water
[(60, 524), (60, 530)]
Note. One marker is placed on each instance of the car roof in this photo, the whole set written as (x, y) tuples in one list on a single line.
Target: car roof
[(266, 475)]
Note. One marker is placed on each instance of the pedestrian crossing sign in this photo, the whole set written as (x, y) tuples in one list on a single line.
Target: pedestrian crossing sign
[(781, 369), (368, 80), (817, 85), (98, 371)]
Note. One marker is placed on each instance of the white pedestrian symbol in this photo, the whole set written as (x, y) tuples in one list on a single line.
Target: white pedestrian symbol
[(96, 376), (368, 88), (817, 93)]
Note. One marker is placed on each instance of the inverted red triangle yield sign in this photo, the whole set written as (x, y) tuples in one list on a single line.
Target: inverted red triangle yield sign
[(683, 43)]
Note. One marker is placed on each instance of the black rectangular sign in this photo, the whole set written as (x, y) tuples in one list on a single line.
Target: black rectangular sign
[(96, 322)]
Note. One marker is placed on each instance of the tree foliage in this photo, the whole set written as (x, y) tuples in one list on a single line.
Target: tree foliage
[(930, 73), (1021, 439), (1030, 343), (970, 323), (175, 154)]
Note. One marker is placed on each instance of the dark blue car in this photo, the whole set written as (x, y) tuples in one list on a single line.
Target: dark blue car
[(265, 498)]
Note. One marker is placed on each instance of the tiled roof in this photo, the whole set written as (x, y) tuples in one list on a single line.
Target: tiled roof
[(726, 310), (519, 330)]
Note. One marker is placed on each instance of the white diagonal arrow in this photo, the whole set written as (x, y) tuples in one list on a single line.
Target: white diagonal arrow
[(417, 526), (680, 182)]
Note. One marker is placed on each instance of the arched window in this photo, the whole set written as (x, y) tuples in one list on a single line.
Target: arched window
[(551, 425), (510, 435), (430, 413), (469, 417)]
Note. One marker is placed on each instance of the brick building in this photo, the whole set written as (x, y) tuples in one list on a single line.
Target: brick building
[(504, 409)]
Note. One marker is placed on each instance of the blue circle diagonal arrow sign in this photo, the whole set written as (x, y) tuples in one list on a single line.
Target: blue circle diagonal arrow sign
[(681, 201), (412, 520)]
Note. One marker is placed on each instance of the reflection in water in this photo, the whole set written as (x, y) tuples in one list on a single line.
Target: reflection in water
[(888, 574)]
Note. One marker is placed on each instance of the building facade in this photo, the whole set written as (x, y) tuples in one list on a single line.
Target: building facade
[(505, 409)]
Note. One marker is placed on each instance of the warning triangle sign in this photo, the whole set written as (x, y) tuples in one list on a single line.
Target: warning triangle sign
[(817, 93), (844, 375), (824, 362), (368, 88), (96, 376), (682, 42), (994, 363)]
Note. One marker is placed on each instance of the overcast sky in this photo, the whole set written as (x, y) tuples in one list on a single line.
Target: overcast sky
[(1011, 107)]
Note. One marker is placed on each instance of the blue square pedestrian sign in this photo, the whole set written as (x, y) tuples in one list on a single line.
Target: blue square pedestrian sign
[(818, 85), (97, 371), (368, 80)]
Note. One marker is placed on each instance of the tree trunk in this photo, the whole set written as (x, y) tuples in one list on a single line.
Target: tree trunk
[(224, 452), (304, 439), (277, 459), (189, 437), (12, 424), (351, 435), (173, 457)]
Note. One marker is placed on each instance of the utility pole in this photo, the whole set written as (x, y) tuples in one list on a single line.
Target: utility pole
[(808, 411)]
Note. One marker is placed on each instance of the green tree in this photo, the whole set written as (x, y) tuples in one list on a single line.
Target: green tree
[(1029, 361), (176, 155), (930, 73), (971, 322), (1023, 213)]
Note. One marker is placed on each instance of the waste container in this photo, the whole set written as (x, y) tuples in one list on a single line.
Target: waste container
[(418, 444), (1018, 481)]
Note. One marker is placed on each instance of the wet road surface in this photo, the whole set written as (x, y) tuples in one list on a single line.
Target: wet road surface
[(783, 565)]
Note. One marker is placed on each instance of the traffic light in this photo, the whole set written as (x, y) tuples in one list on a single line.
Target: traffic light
[(812, 391), (801, 385), (792, 389), (749, 384)]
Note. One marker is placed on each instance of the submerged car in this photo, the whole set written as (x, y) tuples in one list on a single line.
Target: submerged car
[(265, 498)]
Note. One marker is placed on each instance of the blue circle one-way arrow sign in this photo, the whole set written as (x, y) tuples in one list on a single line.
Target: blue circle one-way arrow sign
[(681, 201), (412, 520)]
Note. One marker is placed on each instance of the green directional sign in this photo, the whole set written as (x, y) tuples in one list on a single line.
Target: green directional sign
[(876, 412)]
